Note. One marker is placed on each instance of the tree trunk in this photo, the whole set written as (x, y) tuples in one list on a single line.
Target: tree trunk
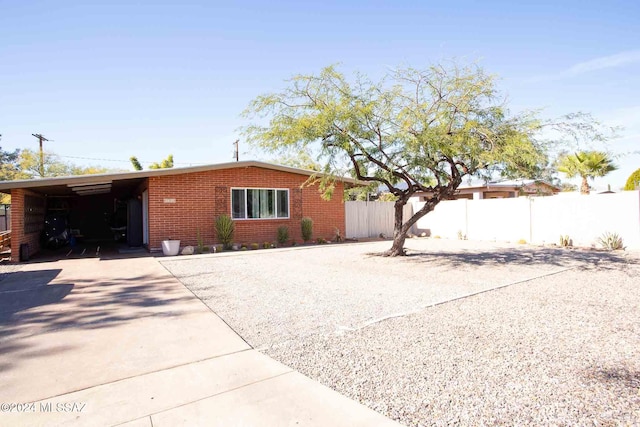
[(399, 232), (584, 189)]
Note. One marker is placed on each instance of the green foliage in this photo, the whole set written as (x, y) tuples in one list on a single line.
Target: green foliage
[(586, 165), (267, 245), (611, 241), (9, 165), (255, 246), (225, 227), (200, 247), (300, 161), (565, 241), (633, 182), (387, 197), (321, 240), (135, 163), (165, 164), (283, 235), (29, 163), (306, 226), (415, 130)]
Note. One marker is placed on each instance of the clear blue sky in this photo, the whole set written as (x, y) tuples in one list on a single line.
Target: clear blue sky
[(122, 78)]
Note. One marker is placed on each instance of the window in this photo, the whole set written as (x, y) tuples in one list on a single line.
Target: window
[(259, 203)]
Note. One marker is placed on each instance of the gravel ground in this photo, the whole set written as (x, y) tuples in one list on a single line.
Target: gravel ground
[(559, 346)]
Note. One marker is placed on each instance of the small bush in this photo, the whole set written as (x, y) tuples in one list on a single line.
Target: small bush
[(307, 228), (611, 241), (321, 241), (200, 247), (338, 237), (522, 242), (565, 241), (283, 235), (267, 245), (255, 246), (225, 227)]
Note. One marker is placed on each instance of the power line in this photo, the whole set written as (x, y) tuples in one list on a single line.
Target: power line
[(123, 161)]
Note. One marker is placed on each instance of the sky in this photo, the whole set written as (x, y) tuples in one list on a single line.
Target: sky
[(109, 80)]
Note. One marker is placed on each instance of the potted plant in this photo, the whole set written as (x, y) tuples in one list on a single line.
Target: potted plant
[(170, 247)]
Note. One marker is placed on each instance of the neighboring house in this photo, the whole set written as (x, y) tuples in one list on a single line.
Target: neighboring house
[(500, 190), (179, 203)]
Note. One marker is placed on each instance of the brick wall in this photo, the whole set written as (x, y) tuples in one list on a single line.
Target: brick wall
[(18, 236), (180, 205)]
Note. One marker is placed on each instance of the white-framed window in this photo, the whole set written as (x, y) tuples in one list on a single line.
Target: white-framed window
[(259, 203)]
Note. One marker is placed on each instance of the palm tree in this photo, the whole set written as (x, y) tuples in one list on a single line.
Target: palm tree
[(586, 164)]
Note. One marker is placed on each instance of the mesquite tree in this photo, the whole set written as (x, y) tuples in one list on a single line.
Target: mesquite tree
[(415, 131)]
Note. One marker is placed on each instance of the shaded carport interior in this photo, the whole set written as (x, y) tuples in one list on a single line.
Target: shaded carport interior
[(96, 210)]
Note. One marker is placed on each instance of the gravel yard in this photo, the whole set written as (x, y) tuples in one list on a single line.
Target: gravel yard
[(561, 345)]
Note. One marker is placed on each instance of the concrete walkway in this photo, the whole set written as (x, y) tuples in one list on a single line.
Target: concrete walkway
[(122, 342)]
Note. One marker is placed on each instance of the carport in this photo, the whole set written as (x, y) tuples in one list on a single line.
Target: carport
[(78, 214)]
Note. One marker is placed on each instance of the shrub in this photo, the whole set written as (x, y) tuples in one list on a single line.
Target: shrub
[(565, 241), (633, 182), (200, 247), (307, 228), (266, 245), (225, 227), (522, 242), (283, 235), (611, 241), (338, 237), (321, 241), (255, 246)]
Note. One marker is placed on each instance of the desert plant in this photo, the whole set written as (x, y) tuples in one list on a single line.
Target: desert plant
[(321, 241), (200, 247), (633, 182), (283, 235), (266, 245), (338, 237), (565, 241), (225, 227), (255, 246), (460, 235), (307, 228), (611, 241), (522, 242)]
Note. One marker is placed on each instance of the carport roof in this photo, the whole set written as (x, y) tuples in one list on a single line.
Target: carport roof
[(116, 176)]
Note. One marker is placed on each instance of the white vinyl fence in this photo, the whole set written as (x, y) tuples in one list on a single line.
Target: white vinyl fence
[(538, 219), (370, 219)]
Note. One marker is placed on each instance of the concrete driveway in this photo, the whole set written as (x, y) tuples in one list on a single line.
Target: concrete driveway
[(110, 342)]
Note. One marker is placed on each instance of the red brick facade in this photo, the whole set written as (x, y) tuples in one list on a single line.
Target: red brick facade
[(18, 235), (180, 205), (183, 204)]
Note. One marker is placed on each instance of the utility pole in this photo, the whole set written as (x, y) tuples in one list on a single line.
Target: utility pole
[(41, 138), (236, 152)]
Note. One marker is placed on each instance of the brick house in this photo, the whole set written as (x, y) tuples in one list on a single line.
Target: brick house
[(179, 203)]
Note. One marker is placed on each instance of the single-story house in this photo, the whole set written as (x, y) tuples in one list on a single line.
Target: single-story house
[(146, 207), (500, 190)]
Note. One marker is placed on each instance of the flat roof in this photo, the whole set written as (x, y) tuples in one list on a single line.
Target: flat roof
[(116, 176)]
